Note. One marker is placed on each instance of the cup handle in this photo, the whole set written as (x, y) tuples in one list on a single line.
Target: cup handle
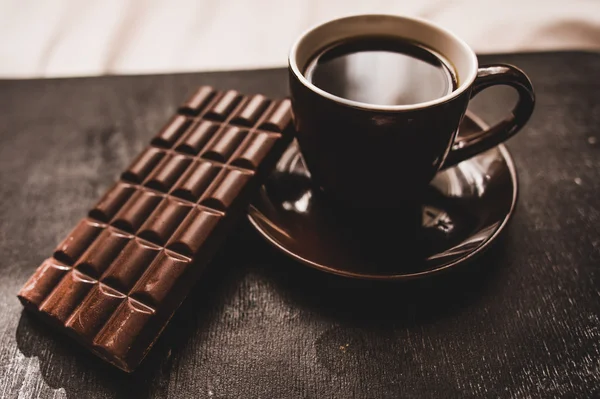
[(487, 76)]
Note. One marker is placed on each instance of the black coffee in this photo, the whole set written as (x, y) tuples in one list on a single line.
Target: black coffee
[(382, 71)]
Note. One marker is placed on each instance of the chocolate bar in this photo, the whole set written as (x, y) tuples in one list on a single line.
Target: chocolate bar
[(115, 281)]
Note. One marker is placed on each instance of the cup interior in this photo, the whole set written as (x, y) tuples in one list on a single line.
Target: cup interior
[(454, 50)]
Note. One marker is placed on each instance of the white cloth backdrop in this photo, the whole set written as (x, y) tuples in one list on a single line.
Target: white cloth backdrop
[(47, 38)]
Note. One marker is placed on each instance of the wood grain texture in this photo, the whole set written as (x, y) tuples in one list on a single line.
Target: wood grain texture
[(520, 322)]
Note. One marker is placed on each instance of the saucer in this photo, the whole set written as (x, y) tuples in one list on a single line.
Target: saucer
[(464, 211)]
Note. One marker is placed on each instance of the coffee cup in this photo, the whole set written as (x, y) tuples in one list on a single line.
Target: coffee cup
[(366, 150)]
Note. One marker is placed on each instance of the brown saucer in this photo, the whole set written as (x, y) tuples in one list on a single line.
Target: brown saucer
[(464, 211)]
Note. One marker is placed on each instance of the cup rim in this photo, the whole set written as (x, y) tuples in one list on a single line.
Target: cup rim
[(464, 84)]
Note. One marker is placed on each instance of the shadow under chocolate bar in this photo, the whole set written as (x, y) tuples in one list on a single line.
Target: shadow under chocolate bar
[(118, 277)]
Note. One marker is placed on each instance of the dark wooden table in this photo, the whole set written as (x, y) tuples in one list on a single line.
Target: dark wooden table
[(520, 322)]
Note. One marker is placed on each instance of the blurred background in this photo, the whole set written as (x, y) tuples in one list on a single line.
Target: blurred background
[(57, 38)]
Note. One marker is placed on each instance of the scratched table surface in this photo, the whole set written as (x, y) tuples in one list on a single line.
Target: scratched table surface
[(520, 322)]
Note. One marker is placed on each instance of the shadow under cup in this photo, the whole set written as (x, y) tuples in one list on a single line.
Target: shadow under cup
[(378, 233), (381, 158)]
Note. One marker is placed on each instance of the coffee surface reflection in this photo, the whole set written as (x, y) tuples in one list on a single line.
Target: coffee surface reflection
[(382, 71)]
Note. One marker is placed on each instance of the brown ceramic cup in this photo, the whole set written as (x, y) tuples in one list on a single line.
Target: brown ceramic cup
[(377, 156)]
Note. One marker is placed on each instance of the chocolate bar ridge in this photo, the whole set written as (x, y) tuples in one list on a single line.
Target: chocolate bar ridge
[(116, 280)]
